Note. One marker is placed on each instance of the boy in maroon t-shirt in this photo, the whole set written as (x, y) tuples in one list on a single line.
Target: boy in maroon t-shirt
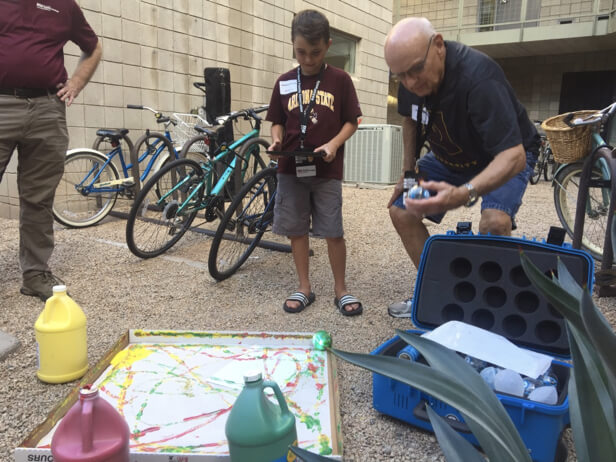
[(322, 119)]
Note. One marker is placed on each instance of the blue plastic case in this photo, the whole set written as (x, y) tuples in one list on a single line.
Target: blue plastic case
[(478, 279)]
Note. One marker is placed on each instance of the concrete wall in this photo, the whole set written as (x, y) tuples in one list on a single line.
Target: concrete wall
[(154, 50)]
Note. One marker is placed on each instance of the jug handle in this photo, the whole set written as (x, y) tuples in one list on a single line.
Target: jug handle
[(86, 424), (279, 396)]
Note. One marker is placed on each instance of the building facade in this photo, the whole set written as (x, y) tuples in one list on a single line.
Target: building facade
[(153, 51)]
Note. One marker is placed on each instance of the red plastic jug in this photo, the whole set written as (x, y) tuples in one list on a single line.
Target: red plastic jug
[(92, 430)]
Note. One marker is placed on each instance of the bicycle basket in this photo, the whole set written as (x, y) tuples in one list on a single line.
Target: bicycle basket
[(184, 130), (569, 144)]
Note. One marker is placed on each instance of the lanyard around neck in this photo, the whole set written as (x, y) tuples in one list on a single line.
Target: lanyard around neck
[(303, 114)]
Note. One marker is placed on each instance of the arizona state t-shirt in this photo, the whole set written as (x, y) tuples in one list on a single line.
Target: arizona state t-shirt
[(335, 104)]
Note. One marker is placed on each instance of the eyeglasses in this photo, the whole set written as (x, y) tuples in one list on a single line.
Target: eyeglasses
[(418, 68)]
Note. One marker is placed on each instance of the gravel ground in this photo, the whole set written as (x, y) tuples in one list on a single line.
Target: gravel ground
[(118, 291)]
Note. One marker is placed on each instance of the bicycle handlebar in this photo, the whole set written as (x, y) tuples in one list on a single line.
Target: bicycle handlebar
[(160, 117), (200, 86), (246, 113), (592, 119)]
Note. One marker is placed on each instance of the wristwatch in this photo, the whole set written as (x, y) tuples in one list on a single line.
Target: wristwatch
[(472, 195)]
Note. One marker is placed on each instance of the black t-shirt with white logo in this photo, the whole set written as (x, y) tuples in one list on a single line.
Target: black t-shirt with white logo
[(475, 113)]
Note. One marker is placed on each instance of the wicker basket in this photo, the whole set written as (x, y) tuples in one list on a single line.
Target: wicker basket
[(568, 144)]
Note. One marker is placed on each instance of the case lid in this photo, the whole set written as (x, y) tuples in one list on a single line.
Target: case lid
[(478, 279)]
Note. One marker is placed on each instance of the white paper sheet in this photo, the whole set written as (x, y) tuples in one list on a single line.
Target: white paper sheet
[(490, 347)]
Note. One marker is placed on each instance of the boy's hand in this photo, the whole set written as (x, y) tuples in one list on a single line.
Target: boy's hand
[(330, 151), (275, 146)]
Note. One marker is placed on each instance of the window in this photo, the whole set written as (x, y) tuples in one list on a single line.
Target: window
[(342, 52)]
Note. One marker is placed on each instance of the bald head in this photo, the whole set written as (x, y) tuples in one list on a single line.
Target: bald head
[(415, 54), (406, 35)]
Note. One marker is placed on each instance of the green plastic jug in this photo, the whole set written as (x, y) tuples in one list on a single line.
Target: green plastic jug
[(258, 430)]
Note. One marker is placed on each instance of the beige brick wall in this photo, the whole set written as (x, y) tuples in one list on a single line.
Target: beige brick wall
[(154, 50)]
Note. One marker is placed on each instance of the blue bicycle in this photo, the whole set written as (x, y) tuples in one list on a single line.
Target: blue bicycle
[(92, 182)]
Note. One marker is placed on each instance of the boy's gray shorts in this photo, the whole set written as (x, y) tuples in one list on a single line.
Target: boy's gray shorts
[(299, 199)]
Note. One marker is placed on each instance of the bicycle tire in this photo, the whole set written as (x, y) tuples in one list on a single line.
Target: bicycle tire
[(154, 225), (74, 208), (246, 221), (566, 185)]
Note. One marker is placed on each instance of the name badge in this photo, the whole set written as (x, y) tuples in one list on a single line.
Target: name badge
[(424, 114), (287, 87), (305, 170)]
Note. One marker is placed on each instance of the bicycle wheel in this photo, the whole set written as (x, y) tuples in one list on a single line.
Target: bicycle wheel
[(247, 218), (165, 208), (79, 200), (566, 188)]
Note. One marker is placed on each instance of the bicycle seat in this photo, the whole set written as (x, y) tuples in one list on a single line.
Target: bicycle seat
[(212, 132), (112, 132)]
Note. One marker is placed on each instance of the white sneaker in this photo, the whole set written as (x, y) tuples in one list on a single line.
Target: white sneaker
[(401, 309)]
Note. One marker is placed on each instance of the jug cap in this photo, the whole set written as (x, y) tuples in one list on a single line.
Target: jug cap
[(252, 376), (60, 288), (88, 391)]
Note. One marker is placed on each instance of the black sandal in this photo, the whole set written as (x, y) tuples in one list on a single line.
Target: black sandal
[(303, 300), (345, 300)]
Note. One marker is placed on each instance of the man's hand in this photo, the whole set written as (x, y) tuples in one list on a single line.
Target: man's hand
[(69, 90), (447, 197), (397, 191)]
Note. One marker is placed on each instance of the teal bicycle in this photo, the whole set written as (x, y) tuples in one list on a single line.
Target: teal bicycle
[(168, 203)]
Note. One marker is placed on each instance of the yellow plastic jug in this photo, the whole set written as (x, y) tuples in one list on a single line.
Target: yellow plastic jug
[(61, 339)]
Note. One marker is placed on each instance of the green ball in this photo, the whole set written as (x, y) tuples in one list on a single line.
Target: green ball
[(321, 340)]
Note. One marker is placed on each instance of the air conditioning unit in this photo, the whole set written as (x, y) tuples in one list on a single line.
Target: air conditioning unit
[(374, 155)]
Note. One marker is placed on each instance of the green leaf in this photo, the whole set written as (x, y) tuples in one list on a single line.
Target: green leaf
[(449, 362), (455, 448), (604, 341), (591, 410), (447, 388), (308, 456)]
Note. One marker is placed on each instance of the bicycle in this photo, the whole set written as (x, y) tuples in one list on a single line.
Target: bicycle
[(249, 216), (587, 184), (91, 182), (168, 203), (546, 164)]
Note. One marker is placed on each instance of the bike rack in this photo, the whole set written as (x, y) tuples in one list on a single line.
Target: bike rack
[(578, 230)]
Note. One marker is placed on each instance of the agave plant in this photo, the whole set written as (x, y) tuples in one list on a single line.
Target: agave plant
[(592, 387)]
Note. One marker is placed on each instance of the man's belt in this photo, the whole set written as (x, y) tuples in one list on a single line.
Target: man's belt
[(28, 92)]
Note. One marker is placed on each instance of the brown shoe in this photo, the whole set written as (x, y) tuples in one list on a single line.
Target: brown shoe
[(40, 284)]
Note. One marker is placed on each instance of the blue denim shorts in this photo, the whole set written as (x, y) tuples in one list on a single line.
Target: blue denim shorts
[(507, 198)]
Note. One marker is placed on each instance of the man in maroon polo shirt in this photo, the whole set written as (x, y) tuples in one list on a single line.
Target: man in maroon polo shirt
[(34, 93)]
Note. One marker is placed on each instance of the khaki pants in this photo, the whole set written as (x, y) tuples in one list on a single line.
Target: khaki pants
[(37, 128)]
